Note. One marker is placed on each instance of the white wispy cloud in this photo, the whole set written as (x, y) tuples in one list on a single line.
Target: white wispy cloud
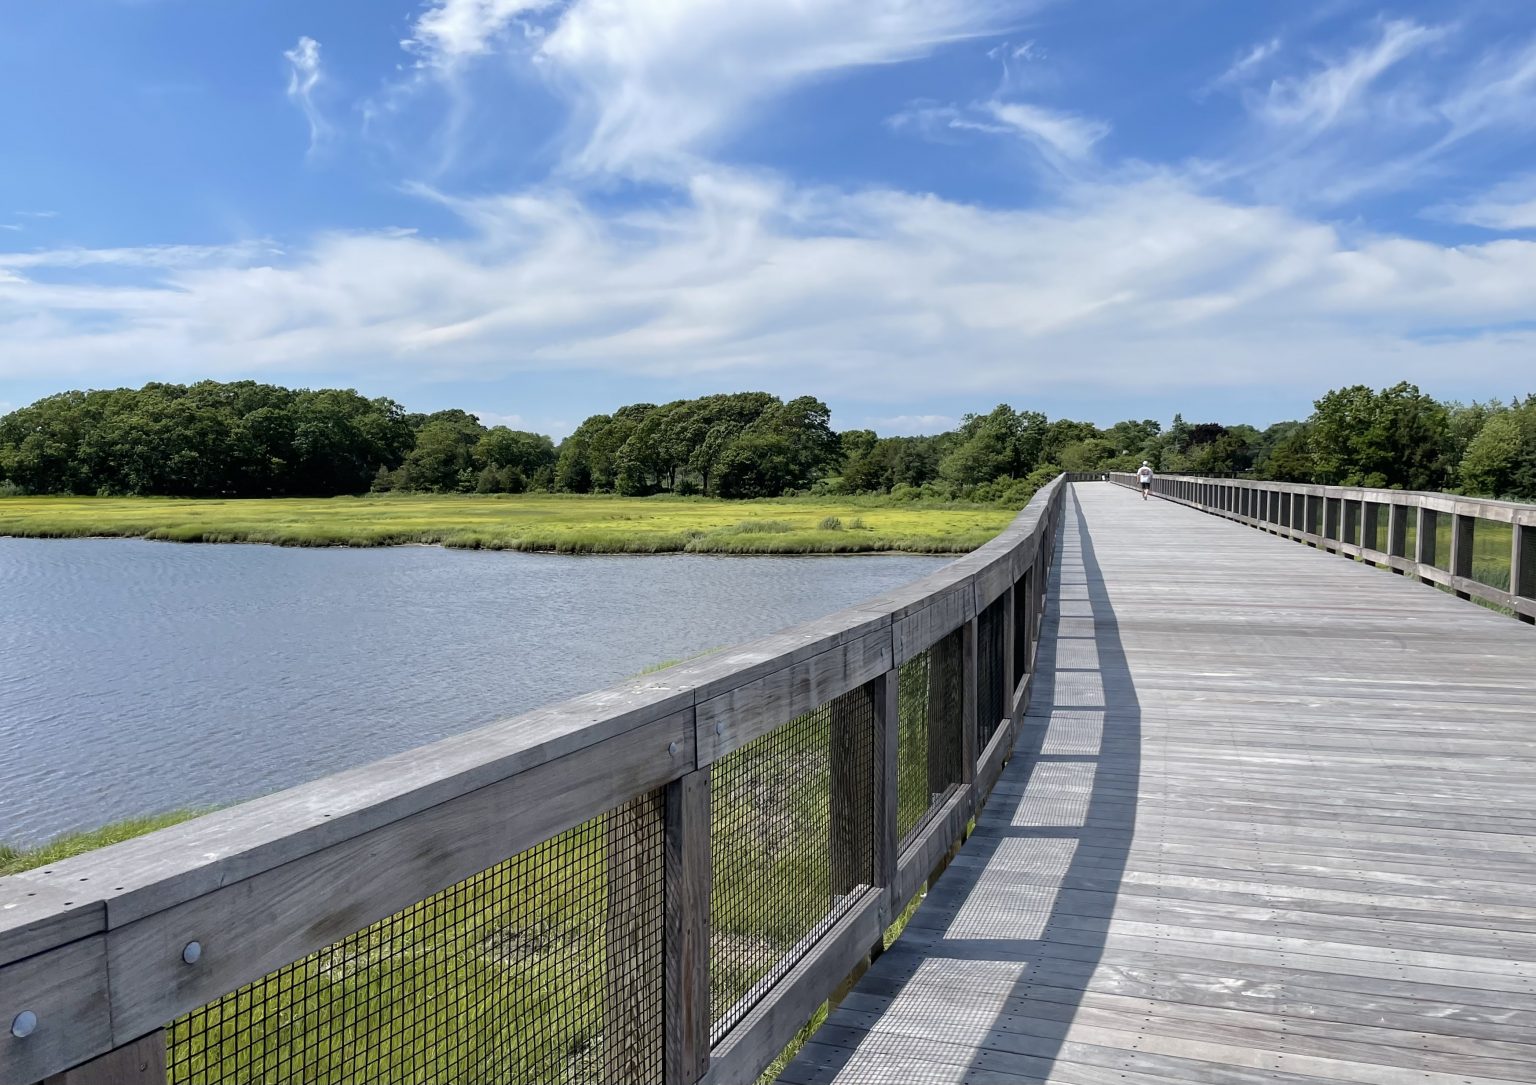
[(450, 32), (1510, 205), (747, 280), (1246, 65), (1064, 140), (303, 77), (1336, 90), (1058, 134), (657, 82), (1381, 116), (912, 425)]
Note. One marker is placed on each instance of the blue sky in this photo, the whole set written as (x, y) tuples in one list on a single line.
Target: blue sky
[(540, 209)]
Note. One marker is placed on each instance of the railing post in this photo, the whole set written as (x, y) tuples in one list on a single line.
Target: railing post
[(885, 692), (850, 747), (1424, 542), (1397, 534), (688, 884), (1522, 567), (1010, 664), (635, 900), (969, 681), (1462, 535), (139, 1063)]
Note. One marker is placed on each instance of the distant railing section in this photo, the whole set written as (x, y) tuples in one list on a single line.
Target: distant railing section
[(657, 882), (1476, 548)]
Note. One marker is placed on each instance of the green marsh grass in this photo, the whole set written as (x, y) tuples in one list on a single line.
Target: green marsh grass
[(558, 523), (14, 860)]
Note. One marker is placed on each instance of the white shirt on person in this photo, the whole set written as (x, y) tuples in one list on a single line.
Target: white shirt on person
[(1144, 475)]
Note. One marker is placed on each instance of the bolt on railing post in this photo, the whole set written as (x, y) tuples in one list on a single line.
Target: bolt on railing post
[(689, 879)]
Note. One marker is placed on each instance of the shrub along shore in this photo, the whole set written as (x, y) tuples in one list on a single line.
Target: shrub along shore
[(559, 523)]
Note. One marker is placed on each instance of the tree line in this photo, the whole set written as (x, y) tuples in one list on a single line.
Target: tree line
[(245, 439)]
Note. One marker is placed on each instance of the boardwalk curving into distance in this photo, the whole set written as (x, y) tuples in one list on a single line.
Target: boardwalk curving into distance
[(1270, 820)]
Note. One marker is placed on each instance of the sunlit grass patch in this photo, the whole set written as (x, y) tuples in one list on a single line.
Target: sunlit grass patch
[(555, 523)]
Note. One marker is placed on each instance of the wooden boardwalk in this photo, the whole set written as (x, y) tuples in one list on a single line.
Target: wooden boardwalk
[(1273, 819)]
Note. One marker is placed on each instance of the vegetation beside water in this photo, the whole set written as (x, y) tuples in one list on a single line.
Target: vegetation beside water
[(14, 860), (570, 524)]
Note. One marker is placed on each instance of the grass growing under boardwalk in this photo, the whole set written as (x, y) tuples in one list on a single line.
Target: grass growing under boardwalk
[(564, 523)]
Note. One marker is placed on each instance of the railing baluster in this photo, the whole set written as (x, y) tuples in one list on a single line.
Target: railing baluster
[(1522, 567), (688, 882)]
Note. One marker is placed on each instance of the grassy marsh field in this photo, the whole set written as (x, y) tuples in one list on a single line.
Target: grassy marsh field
[(562, 523)]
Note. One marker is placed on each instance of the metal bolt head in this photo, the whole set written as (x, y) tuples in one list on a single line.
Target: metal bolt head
[(192, 953), (720, 728), (24, 1025), (674, 748)]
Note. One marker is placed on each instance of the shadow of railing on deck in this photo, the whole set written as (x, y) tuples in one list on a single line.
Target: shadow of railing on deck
[(999, 957)]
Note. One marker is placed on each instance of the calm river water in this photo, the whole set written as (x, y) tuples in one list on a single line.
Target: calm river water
[(138, 676)]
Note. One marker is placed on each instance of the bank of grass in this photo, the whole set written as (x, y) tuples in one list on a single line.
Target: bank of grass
[(14, 860), (559, 523)]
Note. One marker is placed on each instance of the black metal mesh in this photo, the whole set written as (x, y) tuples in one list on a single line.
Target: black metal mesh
[(928, 740), (791, 838), (990, 645), (544, 968)]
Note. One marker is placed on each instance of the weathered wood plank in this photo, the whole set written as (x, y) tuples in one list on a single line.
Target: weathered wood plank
[(688, 858), (65, 992), (1268, 822), (262, 923), (139, 1063)]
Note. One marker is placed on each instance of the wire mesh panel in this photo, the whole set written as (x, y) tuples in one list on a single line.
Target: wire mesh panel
[(544, 968), (928, 739), (989, 671), (791, 838)]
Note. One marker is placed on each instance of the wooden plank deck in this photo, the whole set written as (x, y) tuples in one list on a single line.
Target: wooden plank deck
[(1271, 820)]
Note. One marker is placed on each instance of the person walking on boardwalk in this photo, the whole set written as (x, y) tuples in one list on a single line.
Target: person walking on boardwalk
[(1144, 476)]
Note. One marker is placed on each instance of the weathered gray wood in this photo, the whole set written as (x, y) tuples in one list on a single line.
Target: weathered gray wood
[(265, 883), (731, 720), (152, 873), (688, 859), (1522, 572), (969, 733), (943, 727), (141, 1062), (66, 990), (920, 630), (635, 899), (851, 747), (1268, 822), (262, 923), (884, 692), (37, 915), (930, 845), (765, 1031)]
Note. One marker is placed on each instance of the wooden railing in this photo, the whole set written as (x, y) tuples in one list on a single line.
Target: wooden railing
[(1476, 548), (605, 858)]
